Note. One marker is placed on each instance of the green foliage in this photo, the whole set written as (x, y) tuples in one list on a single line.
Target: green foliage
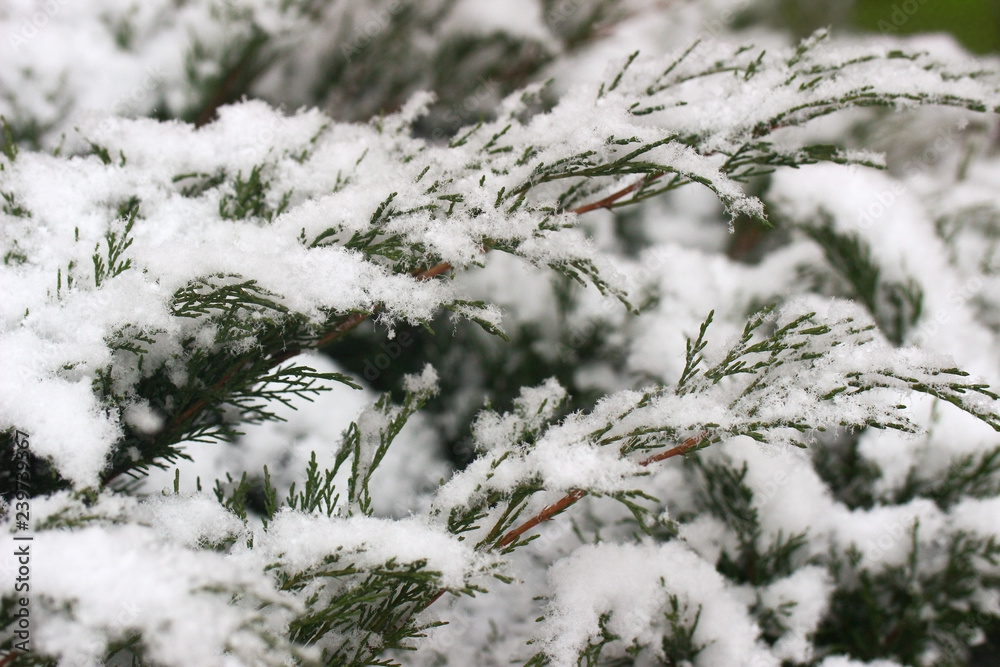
[(725, 496), (232, 69), (969, 476), (929, 603), (318, 493), (229, 378), (249, 199), (367, 440), (793, 375), (7, 145), (9, 148), (895, 306), (850, 476), (679, 644), (372, 609), (11, 207), (202, 183), (113, 264)]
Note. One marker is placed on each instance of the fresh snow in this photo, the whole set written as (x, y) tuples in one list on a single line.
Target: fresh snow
[(204, 586)]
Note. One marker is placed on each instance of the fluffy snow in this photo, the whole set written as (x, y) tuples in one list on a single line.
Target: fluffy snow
[(807, 591), (303, 542), (200, 584), (634, 591), (841, 661), (515, 17), (196, 606)]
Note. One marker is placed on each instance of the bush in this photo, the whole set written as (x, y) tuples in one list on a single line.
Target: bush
[(685, 360)]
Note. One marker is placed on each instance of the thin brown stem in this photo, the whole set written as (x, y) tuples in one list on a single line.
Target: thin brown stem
[(434, 271), (336, 332), (549, 511), (612, 198), (576, 494), (684, 448)]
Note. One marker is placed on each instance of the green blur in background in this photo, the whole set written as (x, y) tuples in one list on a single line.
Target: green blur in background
[(976, 23)]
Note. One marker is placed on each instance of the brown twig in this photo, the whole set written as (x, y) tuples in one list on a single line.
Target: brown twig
[(340, 329), (684, 448), (549, 511), (355, 319), (435, 270), (612, 198), (576, 494)]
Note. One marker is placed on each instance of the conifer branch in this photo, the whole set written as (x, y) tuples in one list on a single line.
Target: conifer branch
[(612, 198), (189, 414), (550, 511), (572, 497), (292, 230), (544, 515)]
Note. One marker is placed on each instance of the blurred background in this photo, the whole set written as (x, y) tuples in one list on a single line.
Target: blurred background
[(975, 23)]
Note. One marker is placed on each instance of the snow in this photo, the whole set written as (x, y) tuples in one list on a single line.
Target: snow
[(633, 590), (841, 661), (977, 515), (192, 521), (522, 18), (77, 436), (303, 542), (202, 586), (535, 407), (195, 606), (881, 210), (807, 591)]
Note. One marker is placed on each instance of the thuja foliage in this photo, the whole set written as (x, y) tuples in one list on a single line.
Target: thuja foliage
[(599, 439)]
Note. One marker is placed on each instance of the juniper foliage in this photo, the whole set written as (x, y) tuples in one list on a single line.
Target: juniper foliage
[(181, 282)]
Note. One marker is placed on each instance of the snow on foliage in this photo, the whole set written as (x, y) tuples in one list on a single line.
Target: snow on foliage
[(648, 587), (825, 390)]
